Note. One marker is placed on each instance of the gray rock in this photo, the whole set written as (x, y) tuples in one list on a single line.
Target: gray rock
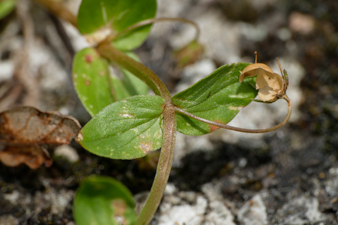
[(192, 208), (253, 212), (302, 210), (331, 185), (8, 220), (66, 152)]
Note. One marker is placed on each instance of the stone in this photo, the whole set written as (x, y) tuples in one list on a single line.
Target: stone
[(253, 212), (301, 210)]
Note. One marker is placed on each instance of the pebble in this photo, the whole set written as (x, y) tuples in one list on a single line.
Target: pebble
[(8, 220), (66, 152), (331, 185), (253, 212), (301, 210), (192, 208), (183, 214)]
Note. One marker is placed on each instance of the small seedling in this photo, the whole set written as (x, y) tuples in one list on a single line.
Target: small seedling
[(127, 123)]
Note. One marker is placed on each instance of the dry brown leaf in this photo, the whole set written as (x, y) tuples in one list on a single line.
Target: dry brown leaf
[(27, 125), (32, 155), (23, 128)]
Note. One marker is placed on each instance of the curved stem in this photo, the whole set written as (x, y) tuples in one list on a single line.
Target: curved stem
[(59, 10), (136, 68), (158, 20), (163, 167), (244, 130)]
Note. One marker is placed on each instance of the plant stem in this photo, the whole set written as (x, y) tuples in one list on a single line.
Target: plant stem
[(59, 10), (163, 167), (136, 68), (244, 130), (158, 20), (169, 134), (169, 127)]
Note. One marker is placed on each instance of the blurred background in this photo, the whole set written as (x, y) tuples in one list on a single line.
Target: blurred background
[(289, 176)]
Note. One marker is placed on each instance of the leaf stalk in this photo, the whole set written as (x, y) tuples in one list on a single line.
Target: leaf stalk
[(159, 20), (243, 130), (163, 167), (136, 68)]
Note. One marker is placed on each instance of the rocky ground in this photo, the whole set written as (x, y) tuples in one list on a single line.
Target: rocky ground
[(289, 176)]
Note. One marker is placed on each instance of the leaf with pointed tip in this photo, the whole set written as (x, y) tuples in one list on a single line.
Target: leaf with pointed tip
[(113, 16), (126, 129), (103, 200), (218, 97)]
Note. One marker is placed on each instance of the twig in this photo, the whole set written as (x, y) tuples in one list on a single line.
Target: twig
[(63, 35), (22, 71)]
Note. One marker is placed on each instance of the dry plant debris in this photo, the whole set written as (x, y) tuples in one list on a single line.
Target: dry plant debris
[(24, 129)]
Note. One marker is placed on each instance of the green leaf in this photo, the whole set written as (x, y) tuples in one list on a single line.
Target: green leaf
[(103, 200), (118, 89), (133, 85), (218, 97), (91, 80), (6, 7), (126, 129), (114, 16)]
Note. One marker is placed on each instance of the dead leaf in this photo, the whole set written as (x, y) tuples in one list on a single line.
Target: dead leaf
[(27, 125), (32, 155), (23, 129)]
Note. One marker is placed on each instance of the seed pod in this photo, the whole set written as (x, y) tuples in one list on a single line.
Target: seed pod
[(271, 85)]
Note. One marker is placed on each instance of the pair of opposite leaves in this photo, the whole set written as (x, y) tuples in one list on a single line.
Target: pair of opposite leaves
[(23, 130)]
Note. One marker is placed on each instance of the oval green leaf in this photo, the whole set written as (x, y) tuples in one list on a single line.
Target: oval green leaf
[(91, 80), (218, 97), (103, 200), (126, 129), (114, 16)]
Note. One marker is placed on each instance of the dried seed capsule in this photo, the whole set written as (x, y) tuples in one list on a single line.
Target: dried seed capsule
[(271, 85)]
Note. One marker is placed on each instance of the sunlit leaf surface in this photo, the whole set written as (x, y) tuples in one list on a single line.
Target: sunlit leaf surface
[(126, 129), (218, 97)]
